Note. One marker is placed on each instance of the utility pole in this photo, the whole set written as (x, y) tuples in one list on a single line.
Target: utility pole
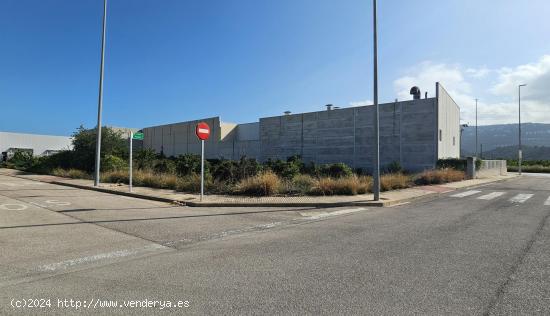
[(520, 154), (476, 129), (100, 99), (376, 171)]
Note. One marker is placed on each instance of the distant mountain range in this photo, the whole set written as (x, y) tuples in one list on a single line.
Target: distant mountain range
[(501, 141)]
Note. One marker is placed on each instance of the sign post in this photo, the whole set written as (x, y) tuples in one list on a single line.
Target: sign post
[(131, 160), (203, 133), (138, 136)]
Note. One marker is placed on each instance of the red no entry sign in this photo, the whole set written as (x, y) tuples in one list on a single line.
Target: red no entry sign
[(202, 131)]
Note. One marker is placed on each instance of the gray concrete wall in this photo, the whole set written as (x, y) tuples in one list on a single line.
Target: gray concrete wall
[(407, 135), (224, 142), (38, 143), (491, 168), (448, 125)]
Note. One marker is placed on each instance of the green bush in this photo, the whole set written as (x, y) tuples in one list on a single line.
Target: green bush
[(247, 167), (284, 169), (452, 163), (22, 160), (224, 170), (393, 167), (164, 166), (188, 164), (336, 170), (113, 163), (145, 159)]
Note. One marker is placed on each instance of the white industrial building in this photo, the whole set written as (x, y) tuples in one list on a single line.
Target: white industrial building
[(38, 145)]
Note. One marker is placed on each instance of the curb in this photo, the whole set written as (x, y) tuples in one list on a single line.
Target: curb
[(256, 204)]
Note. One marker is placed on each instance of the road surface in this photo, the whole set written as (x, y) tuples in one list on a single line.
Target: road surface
[(477, 251)]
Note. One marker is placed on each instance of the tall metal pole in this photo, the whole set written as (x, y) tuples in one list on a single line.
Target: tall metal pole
[(100, 99), (202, 168), (520, 154), (376, 171), (131, 161), (476, 129)]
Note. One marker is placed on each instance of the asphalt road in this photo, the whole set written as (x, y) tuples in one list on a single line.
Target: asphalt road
[(477, 251)]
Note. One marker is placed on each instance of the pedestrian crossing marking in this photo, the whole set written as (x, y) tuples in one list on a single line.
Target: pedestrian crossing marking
[(467, 193), (491, 196), (520, 198), (547, 201)]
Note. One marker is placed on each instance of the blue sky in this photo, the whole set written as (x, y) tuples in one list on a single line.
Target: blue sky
[(177, 60)]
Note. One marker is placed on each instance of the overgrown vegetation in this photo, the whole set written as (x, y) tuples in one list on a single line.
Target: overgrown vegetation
[(245, 176)]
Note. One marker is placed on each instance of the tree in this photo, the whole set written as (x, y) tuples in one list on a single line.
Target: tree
[(84, 146)]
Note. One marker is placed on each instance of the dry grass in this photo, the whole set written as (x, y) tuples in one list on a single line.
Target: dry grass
[(394, 181), (439, 176), (71, 173), (264, 184), (351, 185)]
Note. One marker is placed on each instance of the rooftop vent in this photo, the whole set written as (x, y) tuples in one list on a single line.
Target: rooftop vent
[(415, 91), (287, 112), (329, 107)]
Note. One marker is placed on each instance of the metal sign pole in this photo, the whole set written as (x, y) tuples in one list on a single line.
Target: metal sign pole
[(202, 168), (131, 160)]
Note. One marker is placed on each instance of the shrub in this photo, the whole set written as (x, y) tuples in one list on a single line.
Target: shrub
[(394, 181), (145, 159), (71, 173), (164, 166), (189, 163), (225, 170), (393, 167), (284, 169), (112, 163), (452, 163), (22, 160), (439, 176), (264, 184), (190, 183), (247, 167), (351, 185), (302, 184), (336, 170), (118, 176)]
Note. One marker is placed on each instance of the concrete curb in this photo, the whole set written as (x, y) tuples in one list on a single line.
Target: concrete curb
[(257, 204)]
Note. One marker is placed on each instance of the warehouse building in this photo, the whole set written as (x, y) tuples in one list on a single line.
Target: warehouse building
[(414, 133), (37, 145)]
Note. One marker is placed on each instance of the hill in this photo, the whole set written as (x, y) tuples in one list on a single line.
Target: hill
[(511, 152), (506, 136)]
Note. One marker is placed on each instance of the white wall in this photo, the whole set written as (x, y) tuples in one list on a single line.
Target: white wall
[(38, 143), (448, 133)]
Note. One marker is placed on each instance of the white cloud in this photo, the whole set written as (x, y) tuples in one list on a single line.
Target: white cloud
[(478, 72), (426, 74), (501, 106), (535, 75), (361, 103)]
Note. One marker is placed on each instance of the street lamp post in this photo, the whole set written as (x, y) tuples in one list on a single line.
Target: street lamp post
[(476, 129), (100, 98), (520, 154), (376, 171)]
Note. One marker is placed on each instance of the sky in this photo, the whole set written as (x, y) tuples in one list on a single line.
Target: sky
[(176, 60)]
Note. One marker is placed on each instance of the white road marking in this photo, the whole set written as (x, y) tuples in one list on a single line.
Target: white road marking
[(520, 198), (109, 255), (547, 202), (491, 196), (467, 193), (13, 207), (336, 213), (58, 203)]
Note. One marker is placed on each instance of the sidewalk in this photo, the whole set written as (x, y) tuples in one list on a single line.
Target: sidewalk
[(388, 198)]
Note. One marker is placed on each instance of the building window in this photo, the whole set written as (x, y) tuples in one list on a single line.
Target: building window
[(440, 135), (453, 140)]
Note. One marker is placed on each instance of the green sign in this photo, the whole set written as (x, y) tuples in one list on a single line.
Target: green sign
[(138, 136)]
